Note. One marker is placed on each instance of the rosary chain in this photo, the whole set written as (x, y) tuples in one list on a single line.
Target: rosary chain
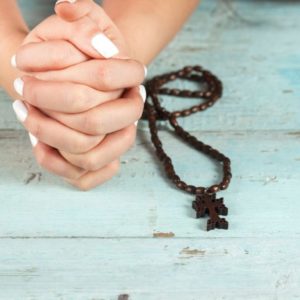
[(210, 94)]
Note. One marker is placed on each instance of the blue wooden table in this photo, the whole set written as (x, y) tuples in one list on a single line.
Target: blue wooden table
[(136, 237)]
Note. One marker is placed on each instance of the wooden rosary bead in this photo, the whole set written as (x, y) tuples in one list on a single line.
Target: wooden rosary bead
[(182, 185), (190, 189), (213, 189), (199, 190)]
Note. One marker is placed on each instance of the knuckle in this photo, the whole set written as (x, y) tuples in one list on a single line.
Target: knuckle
[(83, 27), (30, 92), (71, 173), (104, 76), (58, 58), (79, 102), (129, 135), (90, 163), (139, 107), (91, 124), (77, 27), (74, 98), (36, 130), (41, 157), (74, 176), (79, 145), (22, 58), (82, 185), (115, 167), (83, 144), (140, 69)]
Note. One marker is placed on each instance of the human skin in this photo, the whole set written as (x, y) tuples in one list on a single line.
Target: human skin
[(143, 50), (74, 145), (78, 103)]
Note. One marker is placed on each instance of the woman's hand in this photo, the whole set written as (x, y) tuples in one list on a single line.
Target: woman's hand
[(74, 98), (78, 103)]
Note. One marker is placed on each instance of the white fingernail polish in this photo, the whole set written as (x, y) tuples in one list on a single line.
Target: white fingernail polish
[(61, 1), (104, 45), (143, 92), (19, 85), (33, 139), (136, 122), (20, 110), (146, 71), (13, 61)]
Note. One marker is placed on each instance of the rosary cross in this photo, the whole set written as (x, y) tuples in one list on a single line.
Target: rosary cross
[(208, 204)]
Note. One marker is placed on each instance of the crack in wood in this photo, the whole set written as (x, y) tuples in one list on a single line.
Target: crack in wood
[(32, 176), (192, 252)]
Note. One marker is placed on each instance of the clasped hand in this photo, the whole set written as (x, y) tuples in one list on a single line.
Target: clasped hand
[(80, 93)]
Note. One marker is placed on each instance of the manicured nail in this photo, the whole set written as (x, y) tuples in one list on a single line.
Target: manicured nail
[(19, 85), (146, 71), (33, 139), (13, 61), (104, 45), (20, 110), (61, 1), (143, 92)]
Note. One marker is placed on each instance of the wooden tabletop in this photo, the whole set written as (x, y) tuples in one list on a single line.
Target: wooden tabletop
[(136, 237)]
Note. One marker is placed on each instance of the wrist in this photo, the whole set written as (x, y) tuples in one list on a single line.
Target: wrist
[(8, 47), (134, 25), (148, 26)]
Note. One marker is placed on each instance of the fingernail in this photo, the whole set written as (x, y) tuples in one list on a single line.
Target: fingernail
[(20, 110), (13, 61), (33, 139), (104, 45), (61, 1), (19, 85), (146, 71), (143, 92), (136, 122)]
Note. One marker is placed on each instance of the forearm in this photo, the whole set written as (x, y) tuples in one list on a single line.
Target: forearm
[(148, 25), (11, 19), (12, 32)]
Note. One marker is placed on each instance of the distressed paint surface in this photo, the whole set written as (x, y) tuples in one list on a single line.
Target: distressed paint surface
[(136, 237)]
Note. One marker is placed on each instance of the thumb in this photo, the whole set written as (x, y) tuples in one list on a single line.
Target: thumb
[(68, 11), (72, 11)]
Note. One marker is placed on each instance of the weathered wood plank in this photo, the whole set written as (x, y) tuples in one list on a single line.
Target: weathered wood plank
[(262, 199), (190, 269)]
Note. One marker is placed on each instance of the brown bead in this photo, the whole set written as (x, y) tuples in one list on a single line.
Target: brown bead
[(200, 190), (190, 189), (181, 184), (224, 184), (198, 68), (176, 178), (195, 109), (203, 106), (175, 92), (213, 189), (186, 112), (176, 114)]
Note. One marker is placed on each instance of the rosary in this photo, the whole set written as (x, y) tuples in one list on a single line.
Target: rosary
[(206, 202)]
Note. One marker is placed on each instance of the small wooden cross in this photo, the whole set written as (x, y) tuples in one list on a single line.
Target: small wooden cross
[(208, 204)]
